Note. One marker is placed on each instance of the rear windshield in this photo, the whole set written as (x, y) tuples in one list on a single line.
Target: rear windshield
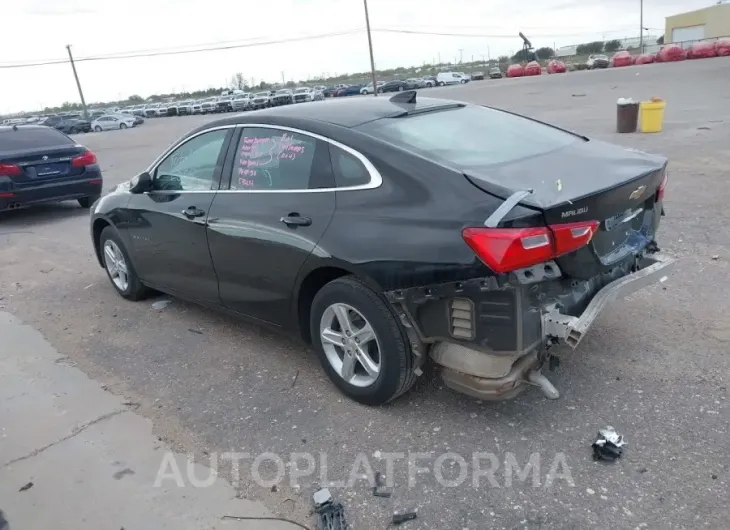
[(470, 136), (30, 138)]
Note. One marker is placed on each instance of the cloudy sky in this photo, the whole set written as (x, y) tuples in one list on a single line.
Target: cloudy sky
[(42, 28)]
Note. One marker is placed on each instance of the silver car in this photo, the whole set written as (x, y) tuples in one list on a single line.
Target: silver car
[(241, 102), (107, 122)]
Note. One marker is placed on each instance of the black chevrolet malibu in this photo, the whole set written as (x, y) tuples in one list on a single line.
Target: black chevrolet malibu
[(387, 232)]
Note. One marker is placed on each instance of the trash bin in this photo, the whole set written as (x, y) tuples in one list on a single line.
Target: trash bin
[(652, 116), (627, 116)]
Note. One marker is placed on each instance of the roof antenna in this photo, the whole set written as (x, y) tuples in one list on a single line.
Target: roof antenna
[(407, 96)]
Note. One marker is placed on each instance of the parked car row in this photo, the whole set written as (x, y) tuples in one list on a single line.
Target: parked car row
[(231, 102)]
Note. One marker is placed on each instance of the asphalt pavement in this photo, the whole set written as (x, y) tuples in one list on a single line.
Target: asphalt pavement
[(655, 366)]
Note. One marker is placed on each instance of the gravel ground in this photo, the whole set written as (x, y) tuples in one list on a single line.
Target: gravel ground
[(655, 366)]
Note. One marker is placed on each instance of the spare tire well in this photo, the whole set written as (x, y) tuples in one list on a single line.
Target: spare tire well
[(316, 279)]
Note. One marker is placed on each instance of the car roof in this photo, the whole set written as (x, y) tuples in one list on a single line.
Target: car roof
[(343, 112)]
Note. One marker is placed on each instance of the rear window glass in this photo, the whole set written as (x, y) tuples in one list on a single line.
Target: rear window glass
[(470, 136), (29, 138)]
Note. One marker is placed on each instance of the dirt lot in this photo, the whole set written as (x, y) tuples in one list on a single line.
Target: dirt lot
[(655, 366)]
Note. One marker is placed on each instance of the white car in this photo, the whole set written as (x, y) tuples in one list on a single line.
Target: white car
[(303, 94), (368, 89), (106, 123), (241, 101)]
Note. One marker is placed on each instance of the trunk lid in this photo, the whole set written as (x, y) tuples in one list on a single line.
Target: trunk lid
[(587, 181), (43, 164)]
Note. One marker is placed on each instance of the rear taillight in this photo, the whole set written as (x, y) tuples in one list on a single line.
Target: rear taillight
[(86, 159), (10, 170), (662, 187), (508, 249)]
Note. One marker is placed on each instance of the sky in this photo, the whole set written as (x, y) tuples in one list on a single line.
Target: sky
[(483, 28)]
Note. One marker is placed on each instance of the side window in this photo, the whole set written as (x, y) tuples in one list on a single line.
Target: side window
[(274, 159), (349, 170), (191, 167)]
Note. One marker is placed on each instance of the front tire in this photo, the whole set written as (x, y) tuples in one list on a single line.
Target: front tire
[(119, 267), (122, 125), (360, 343), (97, 128)]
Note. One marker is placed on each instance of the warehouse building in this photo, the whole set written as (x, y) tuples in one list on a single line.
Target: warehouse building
[(707, 23)]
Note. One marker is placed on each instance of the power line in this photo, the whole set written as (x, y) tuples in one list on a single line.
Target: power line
[(230, 45), (133, 55)]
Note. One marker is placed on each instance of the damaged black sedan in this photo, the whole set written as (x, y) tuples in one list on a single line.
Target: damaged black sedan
[(387, 232)]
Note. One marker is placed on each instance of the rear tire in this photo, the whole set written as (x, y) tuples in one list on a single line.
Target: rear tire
[(132, 289), (442, 83), (395, 373), (86, 202)]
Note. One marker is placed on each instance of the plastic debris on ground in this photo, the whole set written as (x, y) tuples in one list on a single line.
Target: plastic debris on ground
[(161, 304), (608, 445), (625, 101), (379, 490), (400, 518), (330, 514)]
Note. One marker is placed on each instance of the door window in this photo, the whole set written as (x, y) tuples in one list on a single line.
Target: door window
[(192, 166), (277, 160)]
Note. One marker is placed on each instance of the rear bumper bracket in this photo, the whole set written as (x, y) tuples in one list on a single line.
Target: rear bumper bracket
[(571, 329)]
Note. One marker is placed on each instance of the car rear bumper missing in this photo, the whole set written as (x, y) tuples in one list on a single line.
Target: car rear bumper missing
[(571, 329)]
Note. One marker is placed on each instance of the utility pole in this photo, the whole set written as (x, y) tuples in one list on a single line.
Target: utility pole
[(641, 26), (78, 83), (461, 55), (439, 57), (283, 81), (370, 46)]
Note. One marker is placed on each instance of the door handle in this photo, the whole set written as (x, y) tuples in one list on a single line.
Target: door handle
[(294, 219), (192, 212)]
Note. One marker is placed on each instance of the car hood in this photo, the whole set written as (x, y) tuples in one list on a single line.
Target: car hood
[(567, 174)]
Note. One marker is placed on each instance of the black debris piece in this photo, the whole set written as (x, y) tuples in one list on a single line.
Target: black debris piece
[(330, 514), (400, 518), (3, 522), (608, 445), (26, 487)]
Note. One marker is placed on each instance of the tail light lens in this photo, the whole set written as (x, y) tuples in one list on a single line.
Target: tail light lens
[(662, 187), (508, 249), (10, 170), (86, 159)]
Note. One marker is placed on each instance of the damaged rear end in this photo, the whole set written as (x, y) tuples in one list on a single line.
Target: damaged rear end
[(575, 229)]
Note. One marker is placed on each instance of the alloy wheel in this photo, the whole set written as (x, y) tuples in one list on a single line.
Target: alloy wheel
[(350, 345), (116, 265)]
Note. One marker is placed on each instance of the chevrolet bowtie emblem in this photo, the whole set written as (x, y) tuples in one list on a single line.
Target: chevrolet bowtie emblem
[(637, 193)]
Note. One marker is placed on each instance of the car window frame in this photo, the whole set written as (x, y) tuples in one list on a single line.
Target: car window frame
[(376, 179), (216, 182)]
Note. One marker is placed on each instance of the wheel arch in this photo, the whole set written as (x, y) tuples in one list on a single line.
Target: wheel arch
[(312, 279), (97, 227)]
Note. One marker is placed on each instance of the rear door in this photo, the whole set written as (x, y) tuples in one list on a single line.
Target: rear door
[(278, 203), (168, 224), (32, 156)]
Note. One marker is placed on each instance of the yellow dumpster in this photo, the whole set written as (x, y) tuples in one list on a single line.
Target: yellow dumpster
[(651, 114)]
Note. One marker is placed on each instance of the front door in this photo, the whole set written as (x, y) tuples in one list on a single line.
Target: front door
[(264, 226), (168, 227)]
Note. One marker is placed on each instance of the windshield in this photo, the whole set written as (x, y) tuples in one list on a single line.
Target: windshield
[(282, 92), (301, 90), (262, 94), (471, 136)]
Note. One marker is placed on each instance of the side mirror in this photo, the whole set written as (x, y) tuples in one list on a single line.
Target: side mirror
[(141, 183)]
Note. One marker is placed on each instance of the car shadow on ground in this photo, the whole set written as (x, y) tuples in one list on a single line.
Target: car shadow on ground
[(40, 215)]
